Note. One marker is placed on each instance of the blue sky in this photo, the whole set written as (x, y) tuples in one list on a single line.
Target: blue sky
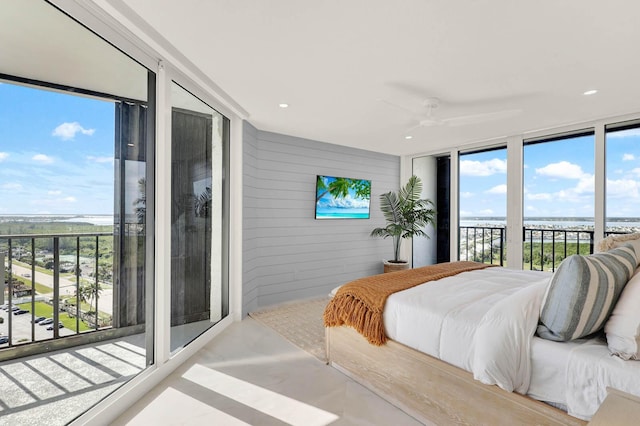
[(56, 153), (558, 178)]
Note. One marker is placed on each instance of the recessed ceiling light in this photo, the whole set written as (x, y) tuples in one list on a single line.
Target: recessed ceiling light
[(590, 92), (408, 137), (283, 105)]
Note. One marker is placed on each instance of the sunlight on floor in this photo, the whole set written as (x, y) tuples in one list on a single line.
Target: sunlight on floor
[(286, 409), (261, 360), (197, 412)]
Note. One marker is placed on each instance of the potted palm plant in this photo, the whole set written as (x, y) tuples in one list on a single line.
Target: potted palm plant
[(406, 215)]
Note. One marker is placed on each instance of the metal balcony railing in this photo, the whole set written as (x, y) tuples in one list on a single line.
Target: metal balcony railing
[(482, 244), (543, 248), (40, 290)]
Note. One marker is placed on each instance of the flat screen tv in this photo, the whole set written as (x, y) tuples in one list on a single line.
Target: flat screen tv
[(342, 198)]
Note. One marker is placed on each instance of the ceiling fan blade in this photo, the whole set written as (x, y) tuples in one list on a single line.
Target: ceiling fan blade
[(411, 129), (426, 122), (465, 120), (400, 107)]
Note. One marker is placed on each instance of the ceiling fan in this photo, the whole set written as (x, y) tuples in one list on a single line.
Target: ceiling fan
[(430, 118)]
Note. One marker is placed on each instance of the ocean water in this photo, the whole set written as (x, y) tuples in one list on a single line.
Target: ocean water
[(342, 215), (92, 219), (555, 222)]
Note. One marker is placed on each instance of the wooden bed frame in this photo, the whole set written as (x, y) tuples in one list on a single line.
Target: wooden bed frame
[(431, 390)]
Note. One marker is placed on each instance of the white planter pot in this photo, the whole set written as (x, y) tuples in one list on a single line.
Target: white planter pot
[(394, 266)]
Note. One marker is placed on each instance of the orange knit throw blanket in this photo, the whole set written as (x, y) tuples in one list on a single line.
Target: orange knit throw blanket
[(359, 303)]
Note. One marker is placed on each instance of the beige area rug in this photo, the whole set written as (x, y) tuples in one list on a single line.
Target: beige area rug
[(298, 322)]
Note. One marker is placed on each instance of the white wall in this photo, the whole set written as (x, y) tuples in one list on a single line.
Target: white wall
[(424, 249)]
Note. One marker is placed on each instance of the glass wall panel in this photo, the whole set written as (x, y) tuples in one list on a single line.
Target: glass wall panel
[(623, 178), (76, 160), (199, 286), (483, 206), (558, 199)]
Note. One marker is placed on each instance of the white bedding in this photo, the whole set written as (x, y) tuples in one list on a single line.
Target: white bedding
[(590, 370), (441, 319), (484, 321), (549, 361)]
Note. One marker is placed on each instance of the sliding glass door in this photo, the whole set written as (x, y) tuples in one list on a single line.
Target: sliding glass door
[(77, 145), (199, 283)]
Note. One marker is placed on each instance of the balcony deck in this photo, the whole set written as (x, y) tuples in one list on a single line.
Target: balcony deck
[(53, 376), (56, 387)]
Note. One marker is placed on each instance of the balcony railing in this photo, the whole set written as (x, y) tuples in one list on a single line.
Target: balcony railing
[(482, 244), (39, 282), (543, 248)]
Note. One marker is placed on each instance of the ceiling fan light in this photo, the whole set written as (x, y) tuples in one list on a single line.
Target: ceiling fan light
[(408, 137), (590, 92)]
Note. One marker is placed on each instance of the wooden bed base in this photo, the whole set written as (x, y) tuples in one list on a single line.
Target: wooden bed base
[(431, 390)]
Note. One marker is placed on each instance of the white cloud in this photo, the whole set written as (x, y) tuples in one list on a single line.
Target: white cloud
[(486, 212), (12, 186), (100, 159), (483, 168), (466, 194), (636, 171), (348, 202), (465, 213), (571, 195), (623, 188), (54, 192), (629, 133), (563, 169), (69, 199), (540, 197), (498, 189), (628, 157), (45, 159), (3, 155), (68, 131), (586, 184)]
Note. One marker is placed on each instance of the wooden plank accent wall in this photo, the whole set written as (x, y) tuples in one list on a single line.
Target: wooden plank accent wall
[(287, 254)]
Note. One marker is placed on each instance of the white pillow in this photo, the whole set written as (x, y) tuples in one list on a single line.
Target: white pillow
[(623, 326), (616, 240)]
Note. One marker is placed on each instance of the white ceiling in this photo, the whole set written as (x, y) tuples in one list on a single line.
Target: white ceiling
[(59, 50), (340, 63)]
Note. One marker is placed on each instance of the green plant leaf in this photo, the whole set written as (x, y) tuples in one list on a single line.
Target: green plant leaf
[(406, 214)]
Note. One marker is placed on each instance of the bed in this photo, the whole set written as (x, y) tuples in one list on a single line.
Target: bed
[(462, 350)]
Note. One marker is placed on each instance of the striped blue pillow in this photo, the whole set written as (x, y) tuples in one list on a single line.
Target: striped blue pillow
[(583, 292)]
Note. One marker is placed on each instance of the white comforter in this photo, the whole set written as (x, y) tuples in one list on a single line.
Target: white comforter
[(481, 321), (484, 321)]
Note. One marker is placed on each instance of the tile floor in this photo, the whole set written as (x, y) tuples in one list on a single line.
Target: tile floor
[(251, 375)]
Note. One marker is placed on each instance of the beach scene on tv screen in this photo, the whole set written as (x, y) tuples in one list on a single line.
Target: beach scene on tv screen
[(342, 198)]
